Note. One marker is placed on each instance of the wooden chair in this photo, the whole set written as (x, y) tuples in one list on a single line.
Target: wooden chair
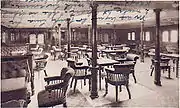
[(164, 65), (55, 51), (132, 59), (118, 76), (37, 52), (41, 63), (55, 90), (81, 73), (36, 48)]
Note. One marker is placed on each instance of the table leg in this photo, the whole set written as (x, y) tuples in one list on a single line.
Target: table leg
[(177, 68), (99, 77)]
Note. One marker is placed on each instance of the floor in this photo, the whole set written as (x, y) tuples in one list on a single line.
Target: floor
[(144, 93)]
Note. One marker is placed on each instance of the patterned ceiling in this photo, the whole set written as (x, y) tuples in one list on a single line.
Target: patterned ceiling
[(49, 13)]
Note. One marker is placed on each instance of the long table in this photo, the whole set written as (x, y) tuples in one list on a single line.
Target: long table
[(172, 56), (115, 47), (114, 52)]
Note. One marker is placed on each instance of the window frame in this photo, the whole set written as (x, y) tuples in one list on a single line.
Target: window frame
[(145, 36), (164, 36), (133, 37), (170, 35)]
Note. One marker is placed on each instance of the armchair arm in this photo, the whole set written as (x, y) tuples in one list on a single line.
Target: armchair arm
[(110, 70), (53, 78), (40, 60), (56, 86), (82, 67)]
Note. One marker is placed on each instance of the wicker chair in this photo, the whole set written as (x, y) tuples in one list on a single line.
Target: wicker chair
[(55, 51), (118, 76), (81, 73), (55, 90), (41, 63)]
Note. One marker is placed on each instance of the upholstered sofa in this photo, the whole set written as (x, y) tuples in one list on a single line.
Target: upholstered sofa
[(15, 82)]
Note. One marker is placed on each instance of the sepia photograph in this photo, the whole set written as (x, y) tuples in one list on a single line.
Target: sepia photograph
[(89, 53)]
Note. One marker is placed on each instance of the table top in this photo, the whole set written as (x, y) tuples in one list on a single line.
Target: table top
[(170, 55), (115, 46), (82, 48), (166, 55), (114, 51), (106, 61)]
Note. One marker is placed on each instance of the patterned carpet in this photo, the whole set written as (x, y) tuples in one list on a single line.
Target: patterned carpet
[(76, 99)]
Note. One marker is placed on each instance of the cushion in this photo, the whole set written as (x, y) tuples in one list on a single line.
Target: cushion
[(47, 99)]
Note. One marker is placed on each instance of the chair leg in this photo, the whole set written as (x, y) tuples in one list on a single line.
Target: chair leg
[(128, 91), (174, 61), (134, 77), (169, 72), (81, 84), (120, 88), (54, 56), (75, 85), (89, 84), (116, 93), (71, 82), (64, 104), (45, 73), (84, 81), (152, 71), (106, 87)]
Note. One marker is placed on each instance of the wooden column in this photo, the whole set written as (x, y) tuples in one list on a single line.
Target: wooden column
[(94, 93), (142, 43), (177, 61), (89, 35), (68, 36), (114, 35), (157, 75), (100, 35), (59, 32), (73, 30)]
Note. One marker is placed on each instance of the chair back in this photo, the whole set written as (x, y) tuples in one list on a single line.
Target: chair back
[(46, 56), (63, 72), (88, 59), (71, 63), (119, 75), (53, 47), (123, 68), (163, 61), (40, 50), (126, 48)]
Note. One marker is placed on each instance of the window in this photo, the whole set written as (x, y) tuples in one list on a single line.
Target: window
[(133, 35), (106, 37), (147, 36), (32, 38), (12, 37), (129, 36), (174, 36), (165, 36), (4, 37), (143, 37), (40, 38)]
